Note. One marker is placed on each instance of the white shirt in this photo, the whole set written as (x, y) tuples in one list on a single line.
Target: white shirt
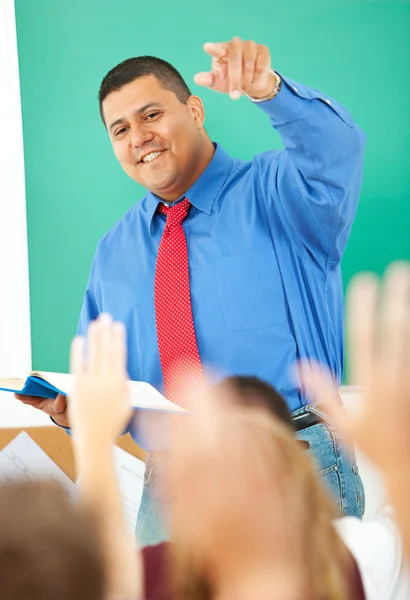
[(377, 548)]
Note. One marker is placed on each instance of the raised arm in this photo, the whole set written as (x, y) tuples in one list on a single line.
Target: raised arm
[(314, 183), (379, 350), (100, 388)]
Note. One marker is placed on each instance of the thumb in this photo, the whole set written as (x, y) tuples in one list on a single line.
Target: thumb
[(60, 403), (204, 79), (53, 406)]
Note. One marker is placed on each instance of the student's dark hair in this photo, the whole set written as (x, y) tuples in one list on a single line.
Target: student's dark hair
[(253, 390), (49, 547), (142, 66)]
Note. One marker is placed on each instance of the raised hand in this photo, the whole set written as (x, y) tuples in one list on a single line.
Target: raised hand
[(99, 406), (378, 320), (238, 67)]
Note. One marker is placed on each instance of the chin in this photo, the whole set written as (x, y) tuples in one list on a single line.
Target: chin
[(162, 188)]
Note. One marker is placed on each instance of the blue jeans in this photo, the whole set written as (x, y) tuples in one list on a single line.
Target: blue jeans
[(335, 464), (336, 468)]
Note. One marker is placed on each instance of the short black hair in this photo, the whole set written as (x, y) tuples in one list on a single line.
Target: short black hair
[(143, 66), (251, 391)]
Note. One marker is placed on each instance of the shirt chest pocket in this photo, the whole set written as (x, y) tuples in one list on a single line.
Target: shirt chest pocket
[(250, 290)]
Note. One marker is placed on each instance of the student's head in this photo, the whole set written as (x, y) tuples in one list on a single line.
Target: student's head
[(255, 392), (49, 548), (292, 500), (155, 124)]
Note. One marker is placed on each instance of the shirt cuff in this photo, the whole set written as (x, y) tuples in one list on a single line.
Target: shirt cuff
[(293, 99), (67, 429)]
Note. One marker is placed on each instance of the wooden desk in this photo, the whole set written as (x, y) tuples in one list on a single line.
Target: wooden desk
[(59, 446)]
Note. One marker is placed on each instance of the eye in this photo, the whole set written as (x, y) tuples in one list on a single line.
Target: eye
[(120, 131), (152, 116)]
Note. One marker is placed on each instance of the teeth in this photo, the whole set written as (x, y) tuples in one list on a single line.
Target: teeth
[(149, 157)]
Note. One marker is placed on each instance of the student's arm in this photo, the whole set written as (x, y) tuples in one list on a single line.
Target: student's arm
[(101, 388), (378, 322)]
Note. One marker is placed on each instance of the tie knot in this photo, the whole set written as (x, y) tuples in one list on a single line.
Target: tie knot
[(175, 214)]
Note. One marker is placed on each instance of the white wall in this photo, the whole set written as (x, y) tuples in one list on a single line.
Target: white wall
[(15, 339)]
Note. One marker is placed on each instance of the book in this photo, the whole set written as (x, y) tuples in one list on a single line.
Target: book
[(44, 384)]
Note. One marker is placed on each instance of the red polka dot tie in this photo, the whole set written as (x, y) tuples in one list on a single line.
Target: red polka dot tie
[(178, 350)]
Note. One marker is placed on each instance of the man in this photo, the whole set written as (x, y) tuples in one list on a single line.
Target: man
[(226, 263)]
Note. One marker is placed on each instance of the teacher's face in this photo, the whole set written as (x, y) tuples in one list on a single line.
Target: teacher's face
[(159, 141)]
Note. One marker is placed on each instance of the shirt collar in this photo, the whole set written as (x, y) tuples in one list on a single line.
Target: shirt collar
[(203, 192)]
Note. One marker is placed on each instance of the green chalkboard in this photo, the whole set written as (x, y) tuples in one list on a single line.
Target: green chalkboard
[(356, 51)]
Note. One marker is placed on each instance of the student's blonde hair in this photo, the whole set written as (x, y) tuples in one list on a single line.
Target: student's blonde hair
[(301, 507)]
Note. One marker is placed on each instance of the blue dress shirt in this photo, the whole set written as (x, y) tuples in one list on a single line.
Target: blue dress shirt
[(265, 238)]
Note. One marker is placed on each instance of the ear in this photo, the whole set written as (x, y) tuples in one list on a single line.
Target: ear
[(196, 108)]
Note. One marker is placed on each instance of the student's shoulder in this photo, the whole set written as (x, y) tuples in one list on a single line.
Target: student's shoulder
[(376, 546)]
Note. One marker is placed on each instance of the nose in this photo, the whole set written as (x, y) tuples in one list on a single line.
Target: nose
[(140, 136)]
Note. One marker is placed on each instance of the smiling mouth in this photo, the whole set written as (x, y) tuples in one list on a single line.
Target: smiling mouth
[(149, 158)]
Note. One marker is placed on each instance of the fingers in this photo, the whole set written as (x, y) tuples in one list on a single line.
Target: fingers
[(60, 403), (250, 56), (106, 346), (217, 50), (24, 398), (262, 66), (362, 298), (204, 79), (93, 346), (77, 360), (395, 320), (319, 386), (235, 67), (238, 67), (52, 406), (106, 352), (119, 349)]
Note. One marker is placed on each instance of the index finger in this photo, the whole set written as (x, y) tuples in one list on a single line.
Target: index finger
[(319, 385), (77, 356), (216, 49), (361, 303), (235, 68)]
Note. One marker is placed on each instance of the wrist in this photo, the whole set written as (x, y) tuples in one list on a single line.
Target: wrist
[(90, 449), (60, 419), (270, 91)]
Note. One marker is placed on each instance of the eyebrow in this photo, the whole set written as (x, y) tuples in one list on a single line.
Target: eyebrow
[(138, 112)]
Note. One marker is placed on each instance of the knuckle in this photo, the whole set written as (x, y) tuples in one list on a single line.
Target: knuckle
[(236, 60)]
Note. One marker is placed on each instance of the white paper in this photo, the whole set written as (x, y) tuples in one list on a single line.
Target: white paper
[(23, 459), (142, 394), (130, 475)]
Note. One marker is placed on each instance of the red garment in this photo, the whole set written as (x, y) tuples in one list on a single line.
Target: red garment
[(157, 575), (157, 572)]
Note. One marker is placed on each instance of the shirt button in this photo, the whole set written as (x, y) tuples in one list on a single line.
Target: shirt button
[(328, 102), (295, 89)]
